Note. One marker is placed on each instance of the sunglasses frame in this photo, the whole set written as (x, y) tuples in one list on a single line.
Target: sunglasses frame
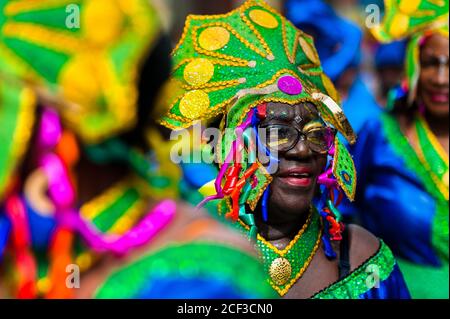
[(301, 135)]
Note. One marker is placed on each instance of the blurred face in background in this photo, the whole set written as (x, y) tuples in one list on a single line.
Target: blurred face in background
[(389, 77), (433, 83)]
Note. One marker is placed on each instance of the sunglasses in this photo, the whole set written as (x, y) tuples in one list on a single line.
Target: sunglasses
[(282, 138)]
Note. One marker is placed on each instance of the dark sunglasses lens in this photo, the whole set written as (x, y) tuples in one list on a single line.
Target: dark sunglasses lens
[(279, 137), (320, 140)]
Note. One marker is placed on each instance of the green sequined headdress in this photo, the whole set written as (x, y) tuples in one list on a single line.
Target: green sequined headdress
[(414, 19), (81, 55), (229, 64), (222, 58), (406, 17)]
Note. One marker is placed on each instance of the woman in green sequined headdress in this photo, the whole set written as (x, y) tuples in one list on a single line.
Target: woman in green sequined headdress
[(283, 170), (402, 157), (89, 188)]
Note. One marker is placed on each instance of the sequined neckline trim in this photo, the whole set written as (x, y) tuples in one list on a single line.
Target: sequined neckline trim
[(382, 258)]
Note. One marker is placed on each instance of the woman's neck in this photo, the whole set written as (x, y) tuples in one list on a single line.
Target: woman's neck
[(277, 228), (439, 125)]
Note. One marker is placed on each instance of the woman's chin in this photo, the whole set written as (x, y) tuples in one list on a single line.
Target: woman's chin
[(438, 110), (294, 205), (290, 197)]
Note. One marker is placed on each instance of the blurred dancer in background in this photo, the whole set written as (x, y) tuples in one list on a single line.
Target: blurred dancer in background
[(389, 67), (86, 183), (402, 158)]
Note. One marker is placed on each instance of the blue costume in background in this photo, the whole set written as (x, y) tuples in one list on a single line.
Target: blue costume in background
[(393, 203), (337, 40), (393, 287), (360, 105), (390, 54), (5, 227), (402, 192), (338, 44)]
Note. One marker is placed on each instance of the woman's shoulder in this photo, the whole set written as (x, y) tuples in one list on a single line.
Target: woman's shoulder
[(362, 245), (369, 254), (371, 263)]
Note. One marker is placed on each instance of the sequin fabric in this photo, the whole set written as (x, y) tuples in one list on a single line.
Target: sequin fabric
[(364, 278)]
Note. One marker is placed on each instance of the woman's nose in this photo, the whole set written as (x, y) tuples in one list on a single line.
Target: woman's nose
[(442, 75), (300, 151)]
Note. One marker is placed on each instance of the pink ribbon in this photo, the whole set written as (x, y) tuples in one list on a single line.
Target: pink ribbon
[(154, 221)]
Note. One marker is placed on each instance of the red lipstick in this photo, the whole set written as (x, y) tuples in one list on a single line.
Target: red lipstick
[(297, 177)]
